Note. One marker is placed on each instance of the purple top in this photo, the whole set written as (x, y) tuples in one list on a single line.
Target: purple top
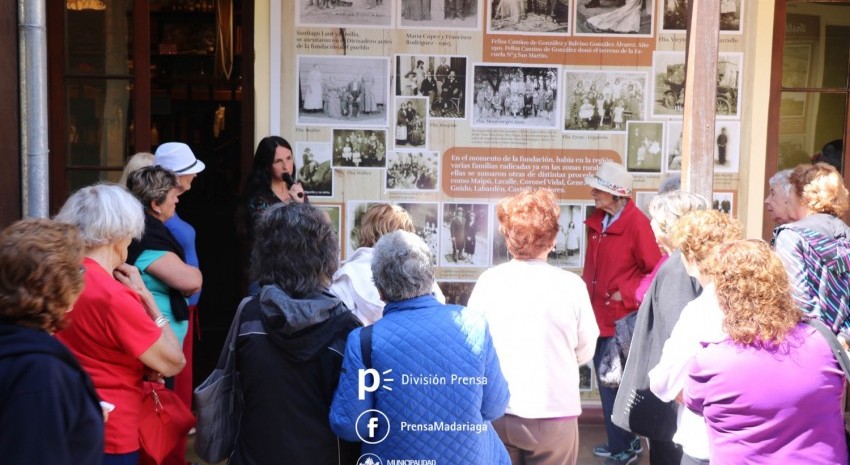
[(770, 406)]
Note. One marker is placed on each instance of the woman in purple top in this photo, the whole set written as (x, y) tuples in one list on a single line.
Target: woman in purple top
[(771, 390)]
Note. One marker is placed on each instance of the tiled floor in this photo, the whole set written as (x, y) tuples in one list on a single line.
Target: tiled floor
[(589, 436)]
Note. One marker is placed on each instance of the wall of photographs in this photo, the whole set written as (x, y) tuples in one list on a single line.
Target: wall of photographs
[(446, 106)]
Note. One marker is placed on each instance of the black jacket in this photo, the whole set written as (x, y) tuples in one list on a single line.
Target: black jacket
[(49, 411), (289, 354)]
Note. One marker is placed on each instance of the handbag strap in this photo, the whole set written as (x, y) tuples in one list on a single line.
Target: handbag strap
[(366, 346), (227, 357), (834, 344)]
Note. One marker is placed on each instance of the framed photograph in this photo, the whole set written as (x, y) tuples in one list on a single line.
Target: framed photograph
[(440, 78), (413, 172), (724, 201), (425, 216), (334, 212), (464, 235), (674, 15), (793, 105), (443, 15), (336, 90), (727, 147), (359, 148), (342, 13), (673, 146), (642, 199), (515, 96), (354, 211), (618, 18), (314, 168), (643, 146), (668, 98), (515, 17), (568, 249), (796, 60), (603, 100), (456, 292), (411, 123)]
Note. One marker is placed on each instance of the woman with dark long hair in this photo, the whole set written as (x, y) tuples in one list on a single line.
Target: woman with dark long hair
[(272, 179)]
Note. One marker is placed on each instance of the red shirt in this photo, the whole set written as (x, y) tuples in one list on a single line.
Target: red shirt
[(617, 260), (108, 330)]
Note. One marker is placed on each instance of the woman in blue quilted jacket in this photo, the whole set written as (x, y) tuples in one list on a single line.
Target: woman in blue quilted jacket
[(429, 384)]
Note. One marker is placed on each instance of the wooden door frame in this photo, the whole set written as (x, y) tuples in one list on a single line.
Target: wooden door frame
[(11, 207)]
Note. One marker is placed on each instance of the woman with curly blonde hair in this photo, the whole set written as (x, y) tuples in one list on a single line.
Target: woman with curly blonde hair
[(770, 391), (698, 235), (543, 328), (817, 200)]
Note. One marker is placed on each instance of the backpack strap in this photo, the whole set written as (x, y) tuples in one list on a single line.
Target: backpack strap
[(834, 344), (366, 346)]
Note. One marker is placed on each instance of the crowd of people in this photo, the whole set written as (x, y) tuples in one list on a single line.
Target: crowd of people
[(356, 97), (338, 362), (412, 171), (356, 148), (523, 94), (603, 105)]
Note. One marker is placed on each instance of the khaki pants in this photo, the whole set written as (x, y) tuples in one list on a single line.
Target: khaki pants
[(539, 441)]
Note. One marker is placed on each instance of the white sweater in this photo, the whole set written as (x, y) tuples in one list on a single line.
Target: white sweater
[(543, 328)]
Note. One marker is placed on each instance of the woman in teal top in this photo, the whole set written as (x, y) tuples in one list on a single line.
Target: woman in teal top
[(159, 256)]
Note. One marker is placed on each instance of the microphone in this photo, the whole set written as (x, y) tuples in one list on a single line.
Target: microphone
[(287, 178)]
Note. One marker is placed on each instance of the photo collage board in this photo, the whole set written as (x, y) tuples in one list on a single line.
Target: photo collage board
[(446, 106)]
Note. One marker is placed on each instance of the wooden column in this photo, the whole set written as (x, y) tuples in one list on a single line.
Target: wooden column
[(700, 97)]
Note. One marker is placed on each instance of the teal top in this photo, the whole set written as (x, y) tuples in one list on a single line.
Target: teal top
[(160, 292)]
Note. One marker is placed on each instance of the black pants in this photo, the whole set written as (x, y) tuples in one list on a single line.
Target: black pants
[(664, 453)]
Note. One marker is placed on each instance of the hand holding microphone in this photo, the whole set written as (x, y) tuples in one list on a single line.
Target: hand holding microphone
[(295, 189)]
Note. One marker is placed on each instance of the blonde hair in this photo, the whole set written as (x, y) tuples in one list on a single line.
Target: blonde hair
[(754, 294), (381, 219), (700, 233), (135, 163), (820, 188), (529, 222)]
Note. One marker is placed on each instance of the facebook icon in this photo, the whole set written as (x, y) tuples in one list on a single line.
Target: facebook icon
[(372, 426)]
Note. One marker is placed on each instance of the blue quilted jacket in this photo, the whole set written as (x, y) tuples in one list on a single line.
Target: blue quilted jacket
[(440, 387)]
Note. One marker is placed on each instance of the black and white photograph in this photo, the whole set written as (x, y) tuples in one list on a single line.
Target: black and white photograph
[(411, 123), (668, 70), (631, 18), (727, 147), (500, 252), (354, 211), (673, 134), (359, 148), (603, 100), (516, 96), (531, 17), (724, 202), (674, 15), (456, 292), (644, 152), (359, 13), (342, 91), (568, 242), (315, 173), (425, 216), (440, 78), (413, 171), (464, 234), (439, 14), (335, 214)]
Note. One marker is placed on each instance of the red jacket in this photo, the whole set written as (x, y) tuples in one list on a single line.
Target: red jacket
[(617, 260)]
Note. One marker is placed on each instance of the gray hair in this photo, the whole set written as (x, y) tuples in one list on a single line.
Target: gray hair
[(104, 213), (152, 184), (401, 266), (781, 180), (666, 209), (671, 183)]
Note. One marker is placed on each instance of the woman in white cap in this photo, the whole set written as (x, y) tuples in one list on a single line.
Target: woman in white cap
[(621, 250)]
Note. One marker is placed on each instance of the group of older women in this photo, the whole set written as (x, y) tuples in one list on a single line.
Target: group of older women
[(722, 368)]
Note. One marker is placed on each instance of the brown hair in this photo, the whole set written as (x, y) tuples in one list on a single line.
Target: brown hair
[(754, 294), (381, 219), (700, 233), (529, 222), (40, 272), (820, 188)]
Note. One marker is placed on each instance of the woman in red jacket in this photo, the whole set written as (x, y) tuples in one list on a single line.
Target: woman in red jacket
[(621, 250)]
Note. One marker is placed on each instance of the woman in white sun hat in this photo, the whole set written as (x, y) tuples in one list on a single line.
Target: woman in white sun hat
[(621, 250)]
